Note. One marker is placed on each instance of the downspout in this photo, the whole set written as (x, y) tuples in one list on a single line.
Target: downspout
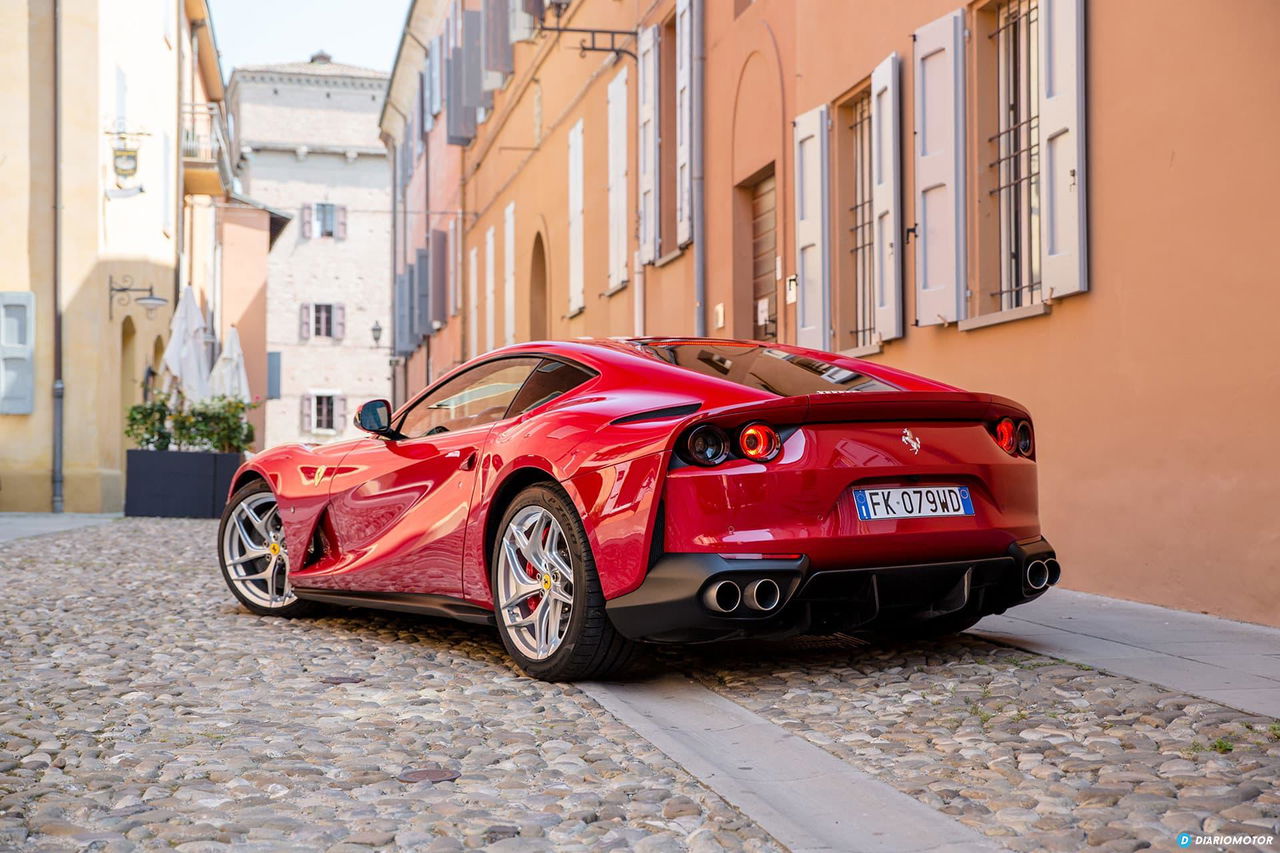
[(58, 387), (396, 344), (699, 201)]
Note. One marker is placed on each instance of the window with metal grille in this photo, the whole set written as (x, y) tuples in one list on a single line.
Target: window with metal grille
[(1017, 168), (322, 317), (322, 412), (861, 222)]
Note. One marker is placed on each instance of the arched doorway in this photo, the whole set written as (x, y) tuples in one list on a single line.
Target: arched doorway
[(128, 378), (538, 292)]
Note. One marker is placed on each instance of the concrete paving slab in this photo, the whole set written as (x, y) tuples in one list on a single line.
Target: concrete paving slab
[(18, 525), (1265, 702), (802, 795)]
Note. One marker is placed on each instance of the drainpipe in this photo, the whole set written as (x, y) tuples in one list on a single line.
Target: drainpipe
[(699, 201), (59, 388)]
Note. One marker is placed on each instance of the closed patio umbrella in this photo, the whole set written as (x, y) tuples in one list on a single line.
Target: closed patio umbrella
[(229, 378), (185, 356)]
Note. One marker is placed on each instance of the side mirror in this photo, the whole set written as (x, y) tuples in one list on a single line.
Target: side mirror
[(375, 417)]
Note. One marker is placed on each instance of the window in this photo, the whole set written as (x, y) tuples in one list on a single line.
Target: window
[(323, 411), (549, 381), (765, 368), (858, 211), (577, 270), (665, 124), (477, 397), (323, 320), (619, 220), (323, 407), (273, 375), (326, 219)]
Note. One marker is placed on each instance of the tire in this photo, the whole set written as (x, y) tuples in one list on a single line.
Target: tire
[(533, 584), (252, 555), (932, 629)]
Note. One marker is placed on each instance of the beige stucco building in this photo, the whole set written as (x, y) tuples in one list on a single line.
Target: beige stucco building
[(132, 104), (1067, 203)]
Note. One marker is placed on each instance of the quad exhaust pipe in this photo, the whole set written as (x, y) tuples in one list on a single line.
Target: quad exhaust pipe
[(1040, 574), (722, 596), (726, 596), (763, 594)]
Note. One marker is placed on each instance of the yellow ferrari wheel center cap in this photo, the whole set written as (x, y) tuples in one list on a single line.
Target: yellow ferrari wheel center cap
[(274, 548), (546, 582)]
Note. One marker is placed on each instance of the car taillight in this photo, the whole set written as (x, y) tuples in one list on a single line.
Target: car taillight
[(1026, 441), (759, 442), (706, 444), (1006, 436)]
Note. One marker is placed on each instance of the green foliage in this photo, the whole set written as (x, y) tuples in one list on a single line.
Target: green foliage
[(218, 424), (1221, 746), (1274, 731)]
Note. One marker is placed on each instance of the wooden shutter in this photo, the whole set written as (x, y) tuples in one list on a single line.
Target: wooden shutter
[(490, 292), (460, 118), (1064, 220), (684, 123), (534, 8), (455, 267), (939, 171), (618, 214), (399, 318), (521, 25), (17, 352), (273, 375), (473, 302), (439, 279), (339, 321), (509, 273), (424, 98), (435, 65), (304, 321), (577, 272), (422, 295), (813, 268), (306, 222), (340, 222), (339, 412), (307, 402), (647, 153), (886, 197), (497, 37), (473, 59)]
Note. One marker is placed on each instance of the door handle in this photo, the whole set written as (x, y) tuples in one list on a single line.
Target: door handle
[(469, 463)]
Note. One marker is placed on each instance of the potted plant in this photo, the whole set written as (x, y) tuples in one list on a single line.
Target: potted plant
[(185, 457)]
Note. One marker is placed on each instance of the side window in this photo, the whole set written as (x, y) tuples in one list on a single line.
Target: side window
[(550, 380), (480, 396)]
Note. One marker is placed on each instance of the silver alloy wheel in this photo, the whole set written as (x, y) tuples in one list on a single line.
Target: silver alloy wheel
[(535, 582), (254, 554)]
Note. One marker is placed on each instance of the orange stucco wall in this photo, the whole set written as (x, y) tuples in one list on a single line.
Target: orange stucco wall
[(245, 243)]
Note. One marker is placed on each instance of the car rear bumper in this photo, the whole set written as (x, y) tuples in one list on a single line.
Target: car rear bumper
[(676, 603)]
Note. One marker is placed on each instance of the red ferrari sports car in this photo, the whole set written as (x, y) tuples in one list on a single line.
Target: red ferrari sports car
[(589, 495)]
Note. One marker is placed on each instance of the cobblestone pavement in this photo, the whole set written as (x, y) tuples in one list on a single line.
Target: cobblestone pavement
[(140, 707), (1040, 754)]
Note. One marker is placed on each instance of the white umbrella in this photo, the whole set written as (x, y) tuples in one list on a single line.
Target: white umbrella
[(185, 355), (228, 378)]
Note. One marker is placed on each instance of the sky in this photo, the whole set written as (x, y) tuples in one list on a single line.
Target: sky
[(355, 32)]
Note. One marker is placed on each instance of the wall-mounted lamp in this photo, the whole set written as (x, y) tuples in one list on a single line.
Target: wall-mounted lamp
[(376, 331), (122, 294)]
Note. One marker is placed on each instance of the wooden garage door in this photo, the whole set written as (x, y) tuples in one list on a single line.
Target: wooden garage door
[(764, 255)]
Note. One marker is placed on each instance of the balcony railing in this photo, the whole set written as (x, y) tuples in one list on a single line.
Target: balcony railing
[(205, 148)]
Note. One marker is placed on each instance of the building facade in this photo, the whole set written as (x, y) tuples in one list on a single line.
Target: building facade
[(306, 142), (99, 241), (1000, 194)]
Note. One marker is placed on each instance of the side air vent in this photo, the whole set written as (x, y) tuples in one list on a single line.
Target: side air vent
[(659, 414)]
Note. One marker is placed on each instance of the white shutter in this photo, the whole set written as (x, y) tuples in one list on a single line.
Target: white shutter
[(618, 218), (1064, 217), (490, 293), (473, 301), (509, 274), (813, 269), (939, 171), (521, 24), (684, 123), (455, 266), (886, 197), (577, 273), (17, 352), (647, 159)]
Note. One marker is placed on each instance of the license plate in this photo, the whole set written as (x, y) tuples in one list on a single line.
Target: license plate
[(923, 502)]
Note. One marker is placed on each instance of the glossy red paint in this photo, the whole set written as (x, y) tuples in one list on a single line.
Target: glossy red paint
[(416, 515)]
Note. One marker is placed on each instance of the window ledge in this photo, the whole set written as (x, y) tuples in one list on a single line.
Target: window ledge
[(614, 291), (669, 257), (863, 351), (995, 318), (575, 312)]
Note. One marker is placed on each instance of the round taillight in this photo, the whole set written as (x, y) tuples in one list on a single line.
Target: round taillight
[(759, 442), (1026, 441), (706, 445), (1006, 436)]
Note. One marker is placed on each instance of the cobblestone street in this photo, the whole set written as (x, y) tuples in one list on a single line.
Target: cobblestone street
[(140, 707)]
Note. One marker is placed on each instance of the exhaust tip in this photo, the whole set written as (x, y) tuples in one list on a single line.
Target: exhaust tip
[(1055, 571), (763, 594), (1037, 575), (722, 596)]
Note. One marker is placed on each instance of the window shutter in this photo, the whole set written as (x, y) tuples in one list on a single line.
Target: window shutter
[(509, 273), (497, 37), (455, 266), (939, 171), (473, 59), (404, 314), (647, 158), (473, 302), (618, 218), (521, 25), (684, 123), (306, 222), (339, 413), (307, 404), (460, 118), (813, 270), (17, 352), (304, 321), (534, 8), (577, 272), (435, 66), (886, 197), (1063, 223), (273, 375), (439, 279), (421, 296), (340, 222), (424, 98), (490, 292), (339, 321)]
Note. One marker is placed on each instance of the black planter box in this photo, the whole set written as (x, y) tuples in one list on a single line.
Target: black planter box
[(178, 484)]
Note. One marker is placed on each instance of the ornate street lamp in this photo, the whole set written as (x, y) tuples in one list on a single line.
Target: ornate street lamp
[(122, 294)]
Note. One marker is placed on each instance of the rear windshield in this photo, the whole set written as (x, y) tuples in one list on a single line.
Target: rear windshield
[(765, 368)]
